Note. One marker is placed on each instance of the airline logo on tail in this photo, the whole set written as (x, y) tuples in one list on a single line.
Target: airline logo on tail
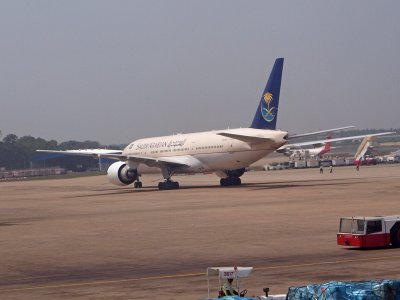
[(326, 148), (268, 113), (267, 110)]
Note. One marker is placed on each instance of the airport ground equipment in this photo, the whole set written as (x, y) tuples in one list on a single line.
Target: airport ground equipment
[(237, 274), (347, 290), (369, 232)]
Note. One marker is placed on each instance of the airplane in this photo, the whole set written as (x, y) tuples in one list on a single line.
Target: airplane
[(296, 149), (289, 147), (226, 153), (306, 152)]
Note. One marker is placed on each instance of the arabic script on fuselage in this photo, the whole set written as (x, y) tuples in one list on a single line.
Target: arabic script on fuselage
[(161, 144)]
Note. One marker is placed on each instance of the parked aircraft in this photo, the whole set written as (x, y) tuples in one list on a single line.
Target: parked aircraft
[(293, 146), (306, 152), (225, 152)]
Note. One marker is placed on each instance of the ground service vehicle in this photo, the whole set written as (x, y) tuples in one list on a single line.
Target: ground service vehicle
[(236, 274), (367, 232)]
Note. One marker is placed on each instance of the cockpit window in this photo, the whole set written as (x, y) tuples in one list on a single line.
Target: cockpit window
[(345, 226), (352, 226)]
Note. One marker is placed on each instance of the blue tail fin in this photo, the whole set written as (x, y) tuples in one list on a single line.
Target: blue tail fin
[(267, 111)]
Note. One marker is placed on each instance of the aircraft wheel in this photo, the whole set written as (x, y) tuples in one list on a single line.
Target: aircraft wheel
[(230, 181), (237, 181), (224, 182), (395, 235), (137, 185), (168, 185)]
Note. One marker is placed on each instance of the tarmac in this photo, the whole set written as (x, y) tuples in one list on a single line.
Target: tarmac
[(84, 238)]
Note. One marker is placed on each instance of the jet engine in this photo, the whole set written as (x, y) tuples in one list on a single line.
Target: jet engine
[(119, 173), (285, 151), (235, 173)]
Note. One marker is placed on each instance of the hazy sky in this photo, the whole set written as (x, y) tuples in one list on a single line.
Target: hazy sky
[(114, 71)]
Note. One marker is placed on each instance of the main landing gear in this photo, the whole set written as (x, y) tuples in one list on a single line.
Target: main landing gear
[(230, 181), (168, 185)]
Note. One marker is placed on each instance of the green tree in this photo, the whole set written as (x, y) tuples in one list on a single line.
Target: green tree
[(10, 139)]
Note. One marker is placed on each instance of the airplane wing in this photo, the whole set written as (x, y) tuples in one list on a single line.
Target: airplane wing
[(117, 155), (84, 152), (318, 132), (356, 137), (251, 140), (157, 162)]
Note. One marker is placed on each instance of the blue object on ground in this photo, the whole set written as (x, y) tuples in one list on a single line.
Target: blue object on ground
[(350, 290)]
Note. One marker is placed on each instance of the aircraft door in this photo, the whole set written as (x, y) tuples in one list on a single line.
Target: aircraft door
[(375, 234)]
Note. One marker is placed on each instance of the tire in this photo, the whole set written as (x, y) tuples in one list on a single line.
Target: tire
[(230, 181), (395, 235), (168, 185), (137, 185), (237, 181)]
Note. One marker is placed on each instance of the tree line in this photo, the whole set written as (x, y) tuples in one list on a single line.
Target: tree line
[(20, 153)]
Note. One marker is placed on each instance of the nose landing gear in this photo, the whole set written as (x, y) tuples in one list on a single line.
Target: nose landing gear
[(137, 184)]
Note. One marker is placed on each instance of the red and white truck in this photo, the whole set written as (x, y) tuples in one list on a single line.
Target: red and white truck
[(367, 232)]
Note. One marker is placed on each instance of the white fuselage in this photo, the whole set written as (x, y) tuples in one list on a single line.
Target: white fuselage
[(308, 152), (208, 151)]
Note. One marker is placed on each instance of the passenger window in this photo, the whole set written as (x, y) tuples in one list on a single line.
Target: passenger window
[(374, 226), (358, 226)]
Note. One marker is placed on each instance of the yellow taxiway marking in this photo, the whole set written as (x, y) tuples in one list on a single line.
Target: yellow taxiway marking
[(102, 282), (66, 285)]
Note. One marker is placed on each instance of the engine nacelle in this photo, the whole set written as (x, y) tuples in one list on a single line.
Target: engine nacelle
[(285, 151), (119, 173), (235, 173)]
